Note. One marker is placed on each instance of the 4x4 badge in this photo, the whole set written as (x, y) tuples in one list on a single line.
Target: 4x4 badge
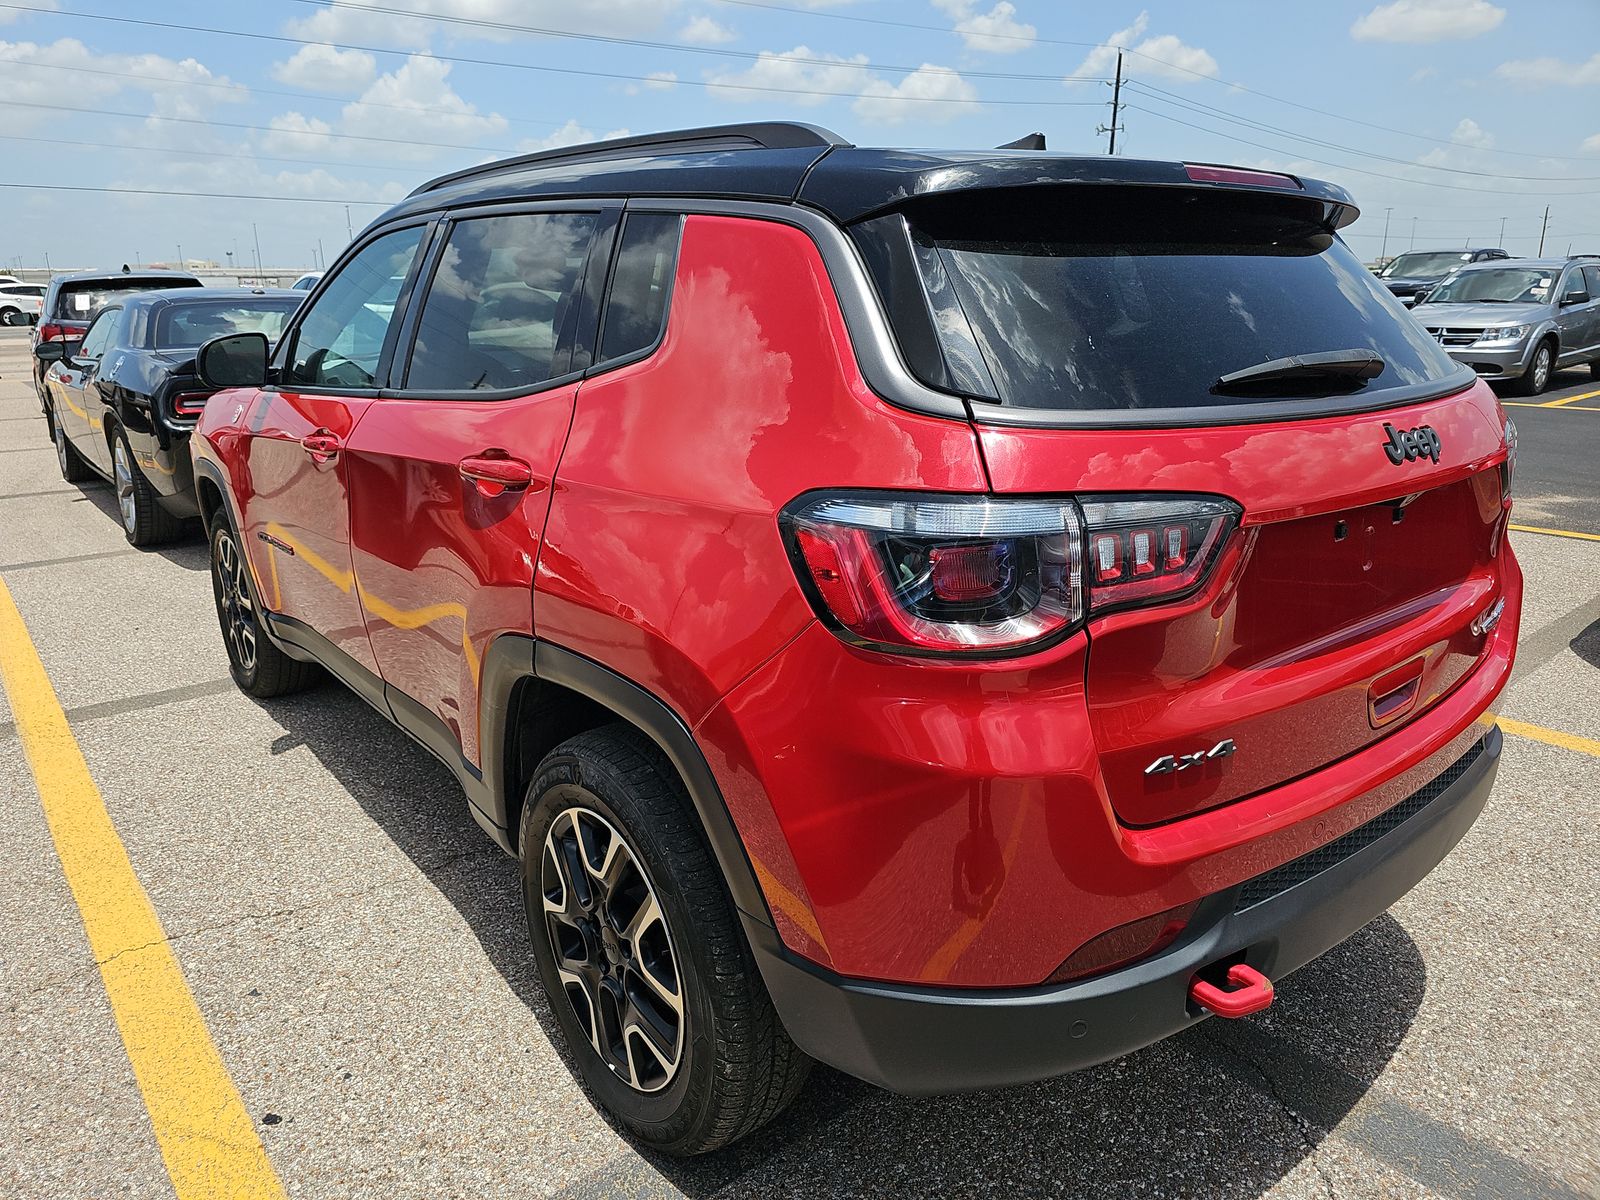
[(1169, 763), (1405, 445)]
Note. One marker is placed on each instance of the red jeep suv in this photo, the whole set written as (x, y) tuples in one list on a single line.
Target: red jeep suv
[(959, 617)]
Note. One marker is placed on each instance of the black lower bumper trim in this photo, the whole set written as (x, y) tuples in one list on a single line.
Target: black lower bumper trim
[(923, 1041)]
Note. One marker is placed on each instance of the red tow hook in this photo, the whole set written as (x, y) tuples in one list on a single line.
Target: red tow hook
[(1252, 992)]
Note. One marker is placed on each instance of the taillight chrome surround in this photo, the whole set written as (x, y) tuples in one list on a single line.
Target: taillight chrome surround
[(991, 576)]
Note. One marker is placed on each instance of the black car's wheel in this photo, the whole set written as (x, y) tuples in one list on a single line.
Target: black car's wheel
[(73, 468), (1540, 367), (257, 666), (144, 521), (639, 949)]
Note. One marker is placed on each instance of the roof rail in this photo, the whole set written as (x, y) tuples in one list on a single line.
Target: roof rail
[(761, 135)]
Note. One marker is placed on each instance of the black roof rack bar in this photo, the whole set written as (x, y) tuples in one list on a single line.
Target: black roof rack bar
[(761, 135)]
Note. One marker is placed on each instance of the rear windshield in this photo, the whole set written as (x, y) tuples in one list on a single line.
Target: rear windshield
[(1425, 264), (181, 326), (1098, 299), (80, 301)]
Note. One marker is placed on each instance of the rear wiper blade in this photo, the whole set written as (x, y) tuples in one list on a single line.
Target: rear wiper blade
[(1347, 368)]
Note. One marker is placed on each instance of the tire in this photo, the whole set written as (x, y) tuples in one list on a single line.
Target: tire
[(12, 316), (613, 792), (257, 665), (1541, 366), (144, 521), (1594, 369), (73, 468)]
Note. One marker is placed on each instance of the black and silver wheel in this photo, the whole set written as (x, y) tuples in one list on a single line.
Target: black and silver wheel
[(1537, 377), (657, 996), (13, 316), (612, 950), (73, 468), (144, 521), (257, 665)]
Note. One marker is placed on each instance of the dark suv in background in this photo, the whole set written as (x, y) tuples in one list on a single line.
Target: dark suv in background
[(1417, 270), (71, 301)]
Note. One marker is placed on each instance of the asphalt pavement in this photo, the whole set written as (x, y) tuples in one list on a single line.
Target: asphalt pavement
[(355, 948)]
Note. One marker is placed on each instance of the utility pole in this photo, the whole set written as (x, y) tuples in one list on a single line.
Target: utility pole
[(322, 256), (1116, 110), (350, 230), (1384, 251), (1542, 230), (180, 256), (1501, 243), (256, 233), (1413, 243)]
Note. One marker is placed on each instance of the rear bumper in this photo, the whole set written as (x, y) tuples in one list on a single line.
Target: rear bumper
[(921, 1040)]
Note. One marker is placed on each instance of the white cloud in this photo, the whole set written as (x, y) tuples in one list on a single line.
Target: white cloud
[(1469, 133), (294, 135), (321, 68), (1162, 56), (8, 15), (1427, 21), (656, 81), (1592, 142), (43, 74), (356, 20), (942, 91), (570, 134), (418, 102), (1543, 72), (995, 32), (703, 31), (1422, 73), (795, 76)]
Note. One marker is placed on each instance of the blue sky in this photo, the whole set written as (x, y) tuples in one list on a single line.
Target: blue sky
[(1452, 113)]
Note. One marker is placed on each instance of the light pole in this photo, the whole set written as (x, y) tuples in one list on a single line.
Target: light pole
[(180, 256), (349, 230), (1413, 244), (256, 233), (1383, 253), (1502, 241)]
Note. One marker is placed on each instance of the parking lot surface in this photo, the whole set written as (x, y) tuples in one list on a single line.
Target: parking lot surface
[(356, 953)]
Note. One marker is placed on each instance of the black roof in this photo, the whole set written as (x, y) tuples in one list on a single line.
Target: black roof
[(156, 297), (796, 163)]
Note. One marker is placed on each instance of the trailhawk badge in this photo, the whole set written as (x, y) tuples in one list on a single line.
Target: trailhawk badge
[(1404, 445)]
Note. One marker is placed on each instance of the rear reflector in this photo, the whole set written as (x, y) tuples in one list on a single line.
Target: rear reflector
[(1125, 944), (1203, 173), (190, 404)]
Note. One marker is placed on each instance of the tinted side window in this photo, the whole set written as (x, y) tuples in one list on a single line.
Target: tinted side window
[(499, 302), (1591, 282), (341, 339), (636, 310)]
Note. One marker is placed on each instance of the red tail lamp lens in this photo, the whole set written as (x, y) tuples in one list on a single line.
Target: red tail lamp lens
[(1206, 173), (940, 574), (1125, 944), (189, 404), (1146, 551)]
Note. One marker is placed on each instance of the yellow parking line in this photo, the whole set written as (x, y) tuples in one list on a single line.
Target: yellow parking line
[(1551, 737), (1566, 400), (1566, 533), (206, 1137), (1532, 404)]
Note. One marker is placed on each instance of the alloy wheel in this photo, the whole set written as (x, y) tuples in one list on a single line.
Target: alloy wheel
[(234, 604), (122, 469), (612, 949), (1541, 368), (61, 448)]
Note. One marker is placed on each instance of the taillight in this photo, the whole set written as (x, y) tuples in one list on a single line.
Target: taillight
[(51, 332), (1206, 173), (1151, 550), (993, 575), (940, 574), (1508, 469), (189, 404)]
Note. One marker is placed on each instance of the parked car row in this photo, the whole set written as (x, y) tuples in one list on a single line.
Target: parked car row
[(960, 617)]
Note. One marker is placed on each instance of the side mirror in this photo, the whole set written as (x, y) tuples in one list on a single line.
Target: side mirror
[(237, 360), (50, 351), (1574, 298), (1422, 295)]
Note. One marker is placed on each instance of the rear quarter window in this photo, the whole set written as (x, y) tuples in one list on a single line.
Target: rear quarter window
[(1103, 299)]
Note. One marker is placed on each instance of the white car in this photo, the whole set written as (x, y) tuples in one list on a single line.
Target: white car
[(21, 303), (307, 281)]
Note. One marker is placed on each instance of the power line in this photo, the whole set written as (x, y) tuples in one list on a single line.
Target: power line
[(122, 191), (1347, 167), (1166, 97), (1045, 41), (282, 39), (683, 48), (204, 154)]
